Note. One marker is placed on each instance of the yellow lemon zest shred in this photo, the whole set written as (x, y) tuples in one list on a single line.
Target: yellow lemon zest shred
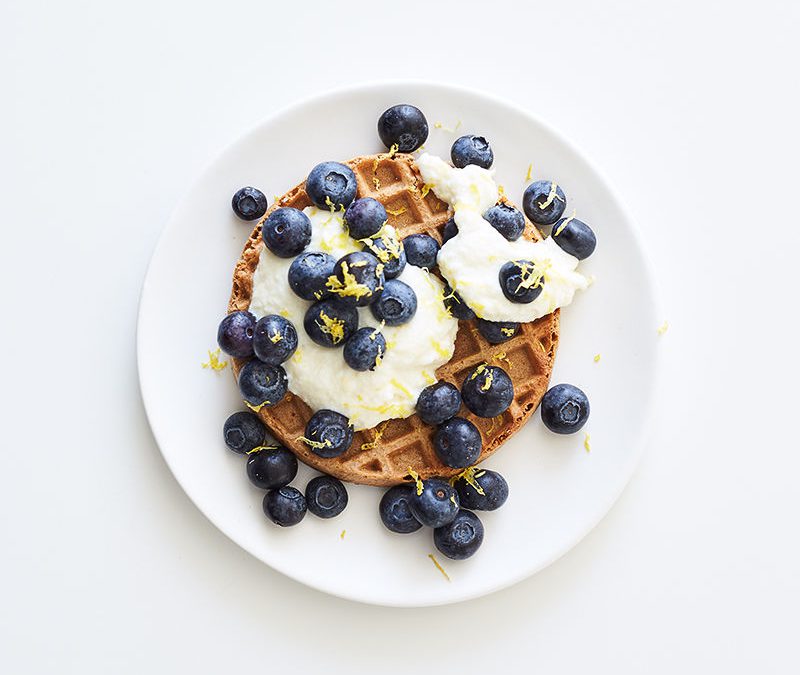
[(256, 408), (501, 190), (376, 182), (315, 444), (401, 387), (396, 212), (502, 356), (596, 358), (426, 189), (439, 349), (438, 566), (298, 355), (509, 332), (487, 382), (551, 196), (542, 347), (213, 361), (663, 328), (566, 222), (415, 477), (275, 339), (428, 377), (374, 333), (393, 150), (529, 175), (378, 435), (478, 371), (350, 287), (259, 448), (468, 475), (586, 444), (341, 536), (332, 327)]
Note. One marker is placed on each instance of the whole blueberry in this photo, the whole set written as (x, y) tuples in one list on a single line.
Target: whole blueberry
[(519, 281), (309, 273), (396, 305), (331, 185), (493, 486), (249, 203), (455, 304), (235, 334), (364, 350), (326, 496), (395, 510), (330, 433), (262, 384), (487, 391), (285, 506), (357, 279), (286, 232), (450, 230), (364, 218), (403, 125), (540, 206), (438, 403), (271, 468), (459, 539), (507, 220), (457, 443), (389, 250), (471, 150), (275, 339), (437, 505), (421, 250), (574, 237), (565, 409), (330, 323), (244, 431), (496, 332)]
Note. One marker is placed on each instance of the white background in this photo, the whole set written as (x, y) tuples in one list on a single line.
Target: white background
[(107, 113)]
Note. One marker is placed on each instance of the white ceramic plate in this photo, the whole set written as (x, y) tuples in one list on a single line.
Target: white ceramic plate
[(558, 491)]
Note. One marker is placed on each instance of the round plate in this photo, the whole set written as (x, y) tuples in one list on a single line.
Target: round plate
[(558, 490)]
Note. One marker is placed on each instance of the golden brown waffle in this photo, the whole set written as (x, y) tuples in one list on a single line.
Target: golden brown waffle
[(382, 455)]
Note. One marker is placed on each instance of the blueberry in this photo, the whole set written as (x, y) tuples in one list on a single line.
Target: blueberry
[(519, 281), (471, 150), (262, 384), (235, 334), (249, 203), (275, 339), (286, 232), (421, 250), (271, 468), (437, 505), (365, 349), (507, 220), (450, 230), (496, 332), (396, 305), (285, 506), (331, 185), (457, 443), (459, 539), (326, 496), (389, 250), (574, 237), (538, 205), (244, 431), (329, 433), (364, 218), (309, 273), (565, 409), (487, 391), (357, 279), (455, 304), (438, 403), (330, 323), (395, 510), (493, 486), (404, 126)]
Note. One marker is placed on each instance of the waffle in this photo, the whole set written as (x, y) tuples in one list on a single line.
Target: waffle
[(383, 454)]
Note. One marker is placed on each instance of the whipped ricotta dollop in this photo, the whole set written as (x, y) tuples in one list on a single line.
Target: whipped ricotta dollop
[(319, 375), (471, 260)]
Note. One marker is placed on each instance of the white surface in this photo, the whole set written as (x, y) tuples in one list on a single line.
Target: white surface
[(557, 492), (108, 115)]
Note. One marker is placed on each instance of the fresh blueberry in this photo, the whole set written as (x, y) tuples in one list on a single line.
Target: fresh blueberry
[(235, 334), (285, 506), (471, 150), (309, 273), (543, 202), (450, 230), (365, 349), (493, 486), (404, 126), (496, 332), (330, 323), (437, 504), (328, 433), (455, 304), (286, 232), (574, 237), (519, 281), (357, 279), (326, 496), (487, 391), (262, 384), (390, 251), (507, 220), (249, 203), (364, 218), (421, 250), (460, 538), (331, 185), (275, 339), (271, 468), (438, 403), (244, 431), (395, 510), (396, 305), (565, 409), (458, 443)]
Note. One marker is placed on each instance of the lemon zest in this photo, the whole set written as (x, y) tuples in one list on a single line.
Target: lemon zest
[(415, 477), (551, 196), (257, 408), (501, 190), (330, 204), (378, 435), (531, 275), (428, 377), (438, 566), (529, 175), (397, 212), (596, 358), (393, 150), (374, 333), (586, 444), (426, 189), (468, 475), (275, 339), (259, 448), (663, 328), (401, 387), (298, 355), (379, 356), (376, 182), (350, 287), (564, 224), (375, 166), (495, 420), (392, 409), (332, 327), (478, 371), (542, 347), (392, 248), (439, 349), (509, 332), (315, 444), (213, 361), (487, 382), (502, 356), (341, 536)]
